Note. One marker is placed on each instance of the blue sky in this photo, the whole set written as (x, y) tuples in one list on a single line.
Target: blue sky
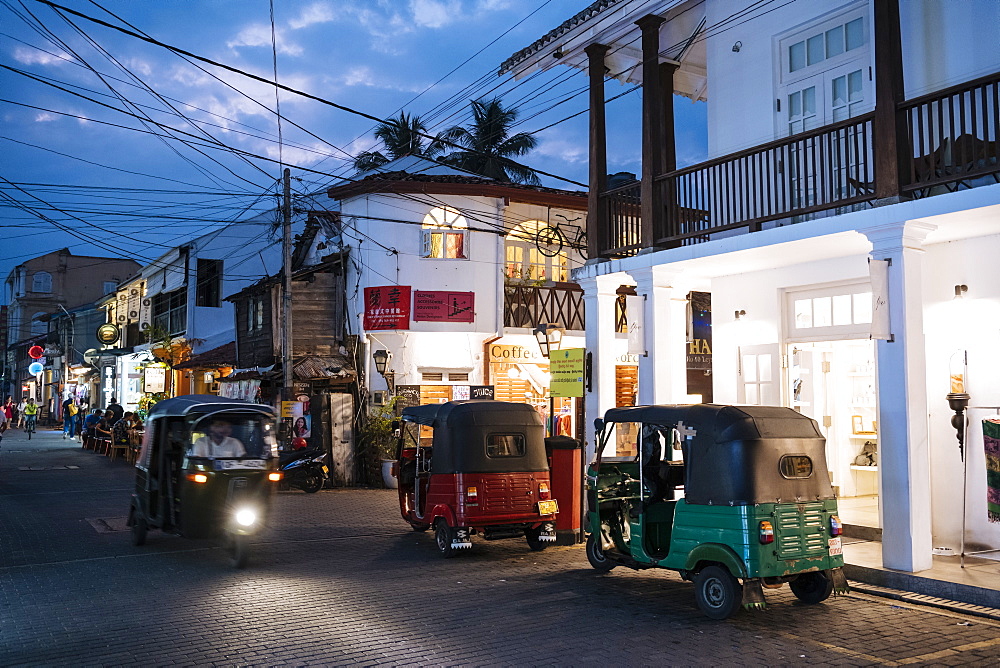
[(134, 188)]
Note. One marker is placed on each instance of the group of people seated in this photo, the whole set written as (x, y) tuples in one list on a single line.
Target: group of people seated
[(114, 424)]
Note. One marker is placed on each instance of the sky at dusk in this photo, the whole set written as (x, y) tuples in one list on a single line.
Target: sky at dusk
[(110, 145)]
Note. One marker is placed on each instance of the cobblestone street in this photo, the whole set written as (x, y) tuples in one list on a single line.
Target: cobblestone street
[(339, 579)]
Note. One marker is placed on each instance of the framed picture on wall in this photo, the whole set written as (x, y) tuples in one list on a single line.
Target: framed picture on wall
[(857, 424)]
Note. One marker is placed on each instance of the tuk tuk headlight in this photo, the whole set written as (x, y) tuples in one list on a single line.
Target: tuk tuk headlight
[(245, 517)]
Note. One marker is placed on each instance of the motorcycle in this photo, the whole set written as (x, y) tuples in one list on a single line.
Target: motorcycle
[(304, 469)]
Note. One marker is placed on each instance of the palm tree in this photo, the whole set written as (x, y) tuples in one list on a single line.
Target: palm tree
[(489, 146), (400, 136)]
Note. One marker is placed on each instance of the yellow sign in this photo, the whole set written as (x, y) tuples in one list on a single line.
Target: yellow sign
[(291, 409), (567, 369)]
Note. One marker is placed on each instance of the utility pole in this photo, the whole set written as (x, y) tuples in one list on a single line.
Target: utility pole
[(286, 293)]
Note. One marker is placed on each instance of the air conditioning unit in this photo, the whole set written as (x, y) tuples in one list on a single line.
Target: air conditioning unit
[(380, 397)]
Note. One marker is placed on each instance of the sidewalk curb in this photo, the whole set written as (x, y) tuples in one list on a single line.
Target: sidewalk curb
[(923, 599)]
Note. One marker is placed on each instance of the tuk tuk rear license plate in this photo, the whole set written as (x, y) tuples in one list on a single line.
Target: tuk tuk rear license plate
[(836, 546), (548, 507)]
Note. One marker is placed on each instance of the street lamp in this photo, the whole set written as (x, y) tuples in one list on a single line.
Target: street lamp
[(381, 358), (549, 336)]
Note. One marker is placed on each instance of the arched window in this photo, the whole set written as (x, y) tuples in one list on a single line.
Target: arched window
[(532, 261), (38, 326), (41, 281), (444, 234)]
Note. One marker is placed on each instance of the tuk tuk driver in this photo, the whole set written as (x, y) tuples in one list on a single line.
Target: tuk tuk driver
[(218, 442)]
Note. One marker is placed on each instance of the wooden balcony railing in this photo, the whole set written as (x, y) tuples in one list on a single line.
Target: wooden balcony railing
[(953, 136), (952, 142), (624, 219), (529, 305)]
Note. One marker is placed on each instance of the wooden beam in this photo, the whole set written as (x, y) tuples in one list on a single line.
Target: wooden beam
[(668, 157), (652, 126), (890, 143), (597, 211)]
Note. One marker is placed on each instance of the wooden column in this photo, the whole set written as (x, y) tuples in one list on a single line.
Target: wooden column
[(890, 143), (668, 157), (652, 126), (597, 210)]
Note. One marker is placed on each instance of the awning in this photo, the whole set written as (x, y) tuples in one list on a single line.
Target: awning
[(224, 355), (335, 368)]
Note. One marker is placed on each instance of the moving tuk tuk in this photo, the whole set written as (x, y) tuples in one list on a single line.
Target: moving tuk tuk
[(757, 508), (481, 469), (207, 468)]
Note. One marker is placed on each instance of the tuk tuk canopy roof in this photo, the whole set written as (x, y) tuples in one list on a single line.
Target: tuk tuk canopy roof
[(190, 404), (734, 457), (461, 430)]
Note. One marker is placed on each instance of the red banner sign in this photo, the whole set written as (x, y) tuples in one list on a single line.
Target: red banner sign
[(444, 306), (387, 307)]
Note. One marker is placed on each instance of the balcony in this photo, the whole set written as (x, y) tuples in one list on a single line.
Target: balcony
[(526, 305), (948, 141)]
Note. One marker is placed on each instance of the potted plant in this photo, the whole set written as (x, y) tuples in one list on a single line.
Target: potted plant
[(377, 443)]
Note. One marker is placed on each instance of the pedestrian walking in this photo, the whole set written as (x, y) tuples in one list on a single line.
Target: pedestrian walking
[(69, 418), (18, 417), (6, 416)]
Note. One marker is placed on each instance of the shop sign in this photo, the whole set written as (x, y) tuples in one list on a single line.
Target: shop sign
[(407, 395), (510, 354), (108, 334), (387, 307), (634, 307), (566, 367), (431, 306), (291, 409), (482, 392), (460, 392), (627, 358), (154, 379)]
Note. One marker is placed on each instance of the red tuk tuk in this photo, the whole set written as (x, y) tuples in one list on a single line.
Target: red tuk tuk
[(482, 469)]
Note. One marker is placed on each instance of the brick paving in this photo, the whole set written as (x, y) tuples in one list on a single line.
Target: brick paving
[(339, 579)]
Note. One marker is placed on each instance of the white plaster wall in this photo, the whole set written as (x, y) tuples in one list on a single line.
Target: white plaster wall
[(760, 295), (950, 325), (944, 42)]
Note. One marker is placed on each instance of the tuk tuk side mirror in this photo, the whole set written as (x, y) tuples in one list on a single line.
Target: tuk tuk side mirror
[(598, 425)]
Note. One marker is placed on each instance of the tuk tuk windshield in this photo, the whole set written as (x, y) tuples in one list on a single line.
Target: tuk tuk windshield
[(233, 436)]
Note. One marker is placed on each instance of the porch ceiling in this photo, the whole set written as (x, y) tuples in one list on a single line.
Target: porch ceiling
[(612, 23)]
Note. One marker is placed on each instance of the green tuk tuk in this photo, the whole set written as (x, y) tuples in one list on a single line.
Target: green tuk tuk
[(754, 506)]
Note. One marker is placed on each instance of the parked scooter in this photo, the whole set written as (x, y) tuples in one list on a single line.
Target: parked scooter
[(303, 468)]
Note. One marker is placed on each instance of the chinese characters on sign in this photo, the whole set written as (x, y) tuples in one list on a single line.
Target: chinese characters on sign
[(444, 306), (387, 307)]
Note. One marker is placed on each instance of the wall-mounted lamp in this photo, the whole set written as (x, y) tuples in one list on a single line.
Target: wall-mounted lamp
[(740, 314), (737, 47), (514, 373), (960, 291), (549, 336), (381, 358)]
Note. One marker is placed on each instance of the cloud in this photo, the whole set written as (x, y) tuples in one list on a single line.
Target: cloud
[(259, 34), (435, 13), (567, 151), (27, 56), (44, 117), (318, 12)]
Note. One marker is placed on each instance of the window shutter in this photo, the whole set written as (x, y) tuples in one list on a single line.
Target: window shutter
[(425, 243)]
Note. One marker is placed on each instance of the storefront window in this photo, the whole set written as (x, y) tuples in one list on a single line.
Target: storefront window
[(530, 261)]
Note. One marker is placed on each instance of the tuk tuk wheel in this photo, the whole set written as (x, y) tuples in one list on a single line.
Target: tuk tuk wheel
[(239, 550), (812, 588), (443, 535), (534, 543), (139, 531), (717, 592), (596, 556)]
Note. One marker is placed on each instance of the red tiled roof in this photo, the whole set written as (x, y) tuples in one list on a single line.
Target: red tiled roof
[(224, 355)]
